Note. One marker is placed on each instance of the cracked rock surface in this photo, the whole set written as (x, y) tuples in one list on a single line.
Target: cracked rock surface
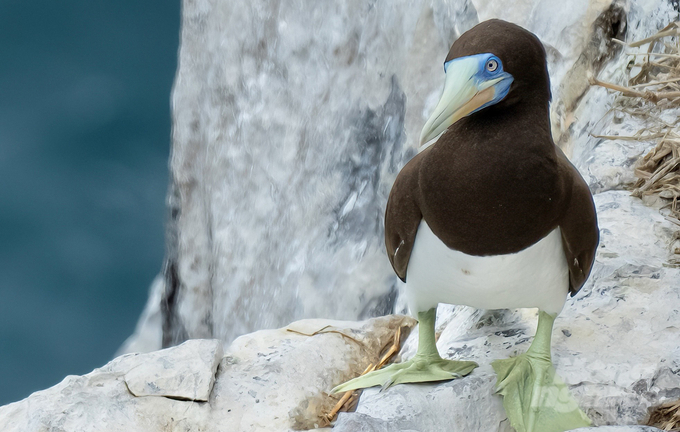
[(272, 380), (188, 373), (102, 401)]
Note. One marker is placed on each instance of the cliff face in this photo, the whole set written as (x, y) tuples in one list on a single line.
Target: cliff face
[(291, 121), (289, 125)]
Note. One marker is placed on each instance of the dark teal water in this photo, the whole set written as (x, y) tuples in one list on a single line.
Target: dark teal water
[(84, 143)]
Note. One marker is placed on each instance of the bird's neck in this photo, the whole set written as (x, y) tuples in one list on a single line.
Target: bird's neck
[(520, 125)]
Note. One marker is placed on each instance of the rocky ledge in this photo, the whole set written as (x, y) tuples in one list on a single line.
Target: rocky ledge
[(274, 380)]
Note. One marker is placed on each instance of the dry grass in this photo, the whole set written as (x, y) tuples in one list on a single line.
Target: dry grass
[(349, 399), (665, 417), (652, 95)]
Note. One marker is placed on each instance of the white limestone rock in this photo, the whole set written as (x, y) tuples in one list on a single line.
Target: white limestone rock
[(289, 127), (365, 423), (281, 378), (618, 429), (273, 380), (189, 373), (102, 402)]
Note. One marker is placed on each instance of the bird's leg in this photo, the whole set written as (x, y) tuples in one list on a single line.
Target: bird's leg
[(426, 365), (534, 397)]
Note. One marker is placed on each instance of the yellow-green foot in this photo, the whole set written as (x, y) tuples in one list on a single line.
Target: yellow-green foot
[(425, 366), (416, 370), (534, 397)]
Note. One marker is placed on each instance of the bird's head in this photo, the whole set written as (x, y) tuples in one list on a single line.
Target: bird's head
[(495, 63)]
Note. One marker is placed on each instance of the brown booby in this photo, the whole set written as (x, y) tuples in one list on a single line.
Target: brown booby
[(491, 214)]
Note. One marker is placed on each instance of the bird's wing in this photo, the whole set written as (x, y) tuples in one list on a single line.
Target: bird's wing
[(403, 216), (580, 234)]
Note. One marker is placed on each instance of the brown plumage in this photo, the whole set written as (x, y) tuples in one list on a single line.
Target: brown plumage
[(495, 183)]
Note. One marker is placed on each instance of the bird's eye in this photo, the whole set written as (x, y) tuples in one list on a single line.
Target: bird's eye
[(491, 65)]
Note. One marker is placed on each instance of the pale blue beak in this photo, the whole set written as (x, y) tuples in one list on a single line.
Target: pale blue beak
[(469, 87)]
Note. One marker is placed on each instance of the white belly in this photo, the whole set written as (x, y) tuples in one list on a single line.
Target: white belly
[(537, 276)]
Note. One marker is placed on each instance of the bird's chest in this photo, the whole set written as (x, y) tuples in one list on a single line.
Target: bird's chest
[(485, 204)]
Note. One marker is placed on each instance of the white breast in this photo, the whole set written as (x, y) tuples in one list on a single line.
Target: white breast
[(537, 276)]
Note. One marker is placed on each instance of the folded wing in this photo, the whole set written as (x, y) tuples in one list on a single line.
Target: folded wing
[(403, 216), (580, 234)]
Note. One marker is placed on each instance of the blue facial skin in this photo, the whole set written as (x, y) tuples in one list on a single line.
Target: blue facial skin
[(483, 74)]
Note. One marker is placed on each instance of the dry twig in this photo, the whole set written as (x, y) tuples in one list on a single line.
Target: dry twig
[(349, 398), (665, 417), (671, 29), (325, 330), (648, 95)]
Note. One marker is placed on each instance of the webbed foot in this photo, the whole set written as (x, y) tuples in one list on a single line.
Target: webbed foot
[(418, 369), (534, 397), (425, 366)]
